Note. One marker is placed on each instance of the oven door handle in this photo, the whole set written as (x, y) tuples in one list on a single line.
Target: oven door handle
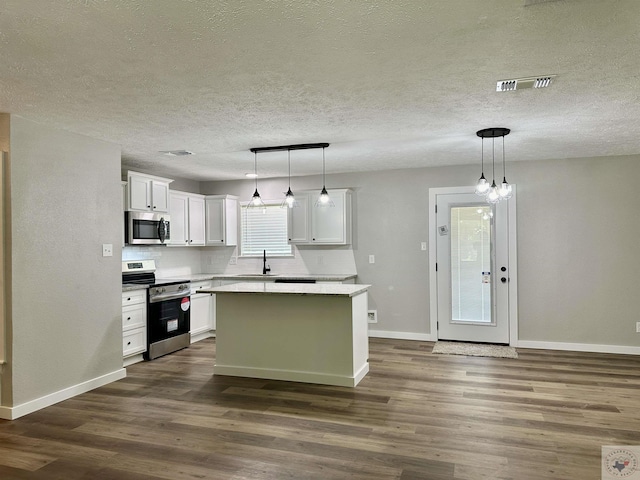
[(169, 296)]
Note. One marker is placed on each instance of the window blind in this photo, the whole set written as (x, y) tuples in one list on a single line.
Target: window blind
[(264, 229)]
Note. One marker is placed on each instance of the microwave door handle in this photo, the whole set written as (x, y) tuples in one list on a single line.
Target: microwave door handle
[(162, 230)]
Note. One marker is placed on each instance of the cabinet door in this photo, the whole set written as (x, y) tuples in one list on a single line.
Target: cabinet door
[(139, 193), (196, 221), (179, 225), (328, 224), (298, 219), (231, 221), (215, 221), (160, 196), (200, 313)]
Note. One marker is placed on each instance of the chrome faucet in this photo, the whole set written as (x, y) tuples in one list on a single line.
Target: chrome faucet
[(265, 267)]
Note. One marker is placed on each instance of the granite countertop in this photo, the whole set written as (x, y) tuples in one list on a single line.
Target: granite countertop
[(201, 277), (349, 290), (126, 287)]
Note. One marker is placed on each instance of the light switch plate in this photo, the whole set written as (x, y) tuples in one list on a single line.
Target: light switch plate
[(107, 250), (372, 259)]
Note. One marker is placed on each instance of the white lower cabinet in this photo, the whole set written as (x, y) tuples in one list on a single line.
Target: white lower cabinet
[(134, 325), (203, 311)]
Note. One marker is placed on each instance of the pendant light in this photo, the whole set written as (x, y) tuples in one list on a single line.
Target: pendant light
[(504, 190), (324, 200), (256, 200), (492, 193), (482, 187), (289, 199)]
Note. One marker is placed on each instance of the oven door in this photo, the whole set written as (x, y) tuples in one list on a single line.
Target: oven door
[(168, 325), (146, 228)]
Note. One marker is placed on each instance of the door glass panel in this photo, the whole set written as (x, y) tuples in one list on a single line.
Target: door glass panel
[(471, 264)]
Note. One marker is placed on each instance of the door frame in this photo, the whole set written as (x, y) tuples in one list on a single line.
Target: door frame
[(513, 261)]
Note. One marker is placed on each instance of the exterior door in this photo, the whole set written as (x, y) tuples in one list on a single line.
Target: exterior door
[(473, 269)]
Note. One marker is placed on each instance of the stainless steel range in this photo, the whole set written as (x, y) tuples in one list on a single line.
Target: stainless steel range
[(168, 308)]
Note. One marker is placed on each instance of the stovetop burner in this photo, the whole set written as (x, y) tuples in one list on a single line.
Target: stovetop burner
[(142, 272)]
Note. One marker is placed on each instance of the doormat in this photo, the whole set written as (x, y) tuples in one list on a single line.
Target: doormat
[(474, 350)]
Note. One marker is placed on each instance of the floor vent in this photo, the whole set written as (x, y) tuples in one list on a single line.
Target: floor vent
[(372, 316), (522, 83)]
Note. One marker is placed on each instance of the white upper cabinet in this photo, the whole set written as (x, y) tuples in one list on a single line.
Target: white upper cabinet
[(311, 225), (187, 219), (148, 193), (221, 213), (298, 226)]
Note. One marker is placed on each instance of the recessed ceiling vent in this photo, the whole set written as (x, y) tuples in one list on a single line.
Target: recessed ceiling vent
[(522, 83), (176, 153)]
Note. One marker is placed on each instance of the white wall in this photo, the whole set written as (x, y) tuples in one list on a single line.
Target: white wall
[(578, 257), (65, 324)]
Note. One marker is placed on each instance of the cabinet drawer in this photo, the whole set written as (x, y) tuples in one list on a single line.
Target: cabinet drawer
[(134, 297), (134, 341), (134, 316)]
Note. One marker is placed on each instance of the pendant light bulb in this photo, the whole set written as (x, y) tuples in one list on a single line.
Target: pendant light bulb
[(492, 195), (324, 200), (482, 187), (289, 198), (505, 190), (256, 200)]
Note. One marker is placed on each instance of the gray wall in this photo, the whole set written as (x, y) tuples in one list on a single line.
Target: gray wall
[(577, 243), (65, 320)]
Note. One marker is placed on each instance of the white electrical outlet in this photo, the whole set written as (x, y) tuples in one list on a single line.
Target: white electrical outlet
[(372, 316), (107, 250), (372, 259), (233, 261), (637, 327)]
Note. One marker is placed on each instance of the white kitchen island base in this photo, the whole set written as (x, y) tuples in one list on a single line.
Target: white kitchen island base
[(296, 332)]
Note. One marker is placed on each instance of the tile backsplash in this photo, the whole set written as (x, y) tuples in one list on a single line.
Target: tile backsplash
[(176, 261)]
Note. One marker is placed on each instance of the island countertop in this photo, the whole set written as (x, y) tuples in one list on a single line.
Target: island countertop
[(348, 290)]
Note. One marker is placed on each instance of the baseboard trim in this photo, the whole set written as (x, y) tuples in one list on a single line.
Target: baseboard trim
[(579, 347), (293, 375), (11, 413), (423, 337)]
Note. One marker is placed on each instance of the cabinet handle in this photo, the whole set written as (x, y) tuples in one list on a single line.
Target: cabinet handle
[(128, 343), (128, 318), (222, 240), (148, 206), (128, 299)]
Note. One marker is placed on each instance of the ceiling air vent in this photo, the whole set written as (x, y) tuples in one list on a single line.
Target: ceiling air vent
[(176, 153), (527, 82)]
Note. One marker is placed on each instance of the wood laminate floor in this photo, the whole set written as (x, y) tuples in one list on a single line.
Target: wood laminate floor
[(414, 416)]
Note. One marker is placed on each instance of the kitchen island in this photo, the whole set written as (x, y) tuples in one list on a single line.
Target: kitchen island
[(313, 333)]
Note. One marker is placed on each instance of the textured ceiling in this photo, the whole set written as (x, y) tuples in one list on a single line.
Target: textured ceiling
[(390, 84)]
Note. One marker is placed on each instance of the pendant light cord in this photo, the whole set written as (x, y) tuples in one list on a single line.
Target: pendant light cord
[(493, 159), (255, 168), (323, 181), (504, 168), (482, 157), (289, 158)]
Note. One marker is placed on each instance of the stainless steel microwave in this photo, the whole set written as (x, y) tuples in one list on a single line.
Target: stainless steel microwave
[(147, 228)]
